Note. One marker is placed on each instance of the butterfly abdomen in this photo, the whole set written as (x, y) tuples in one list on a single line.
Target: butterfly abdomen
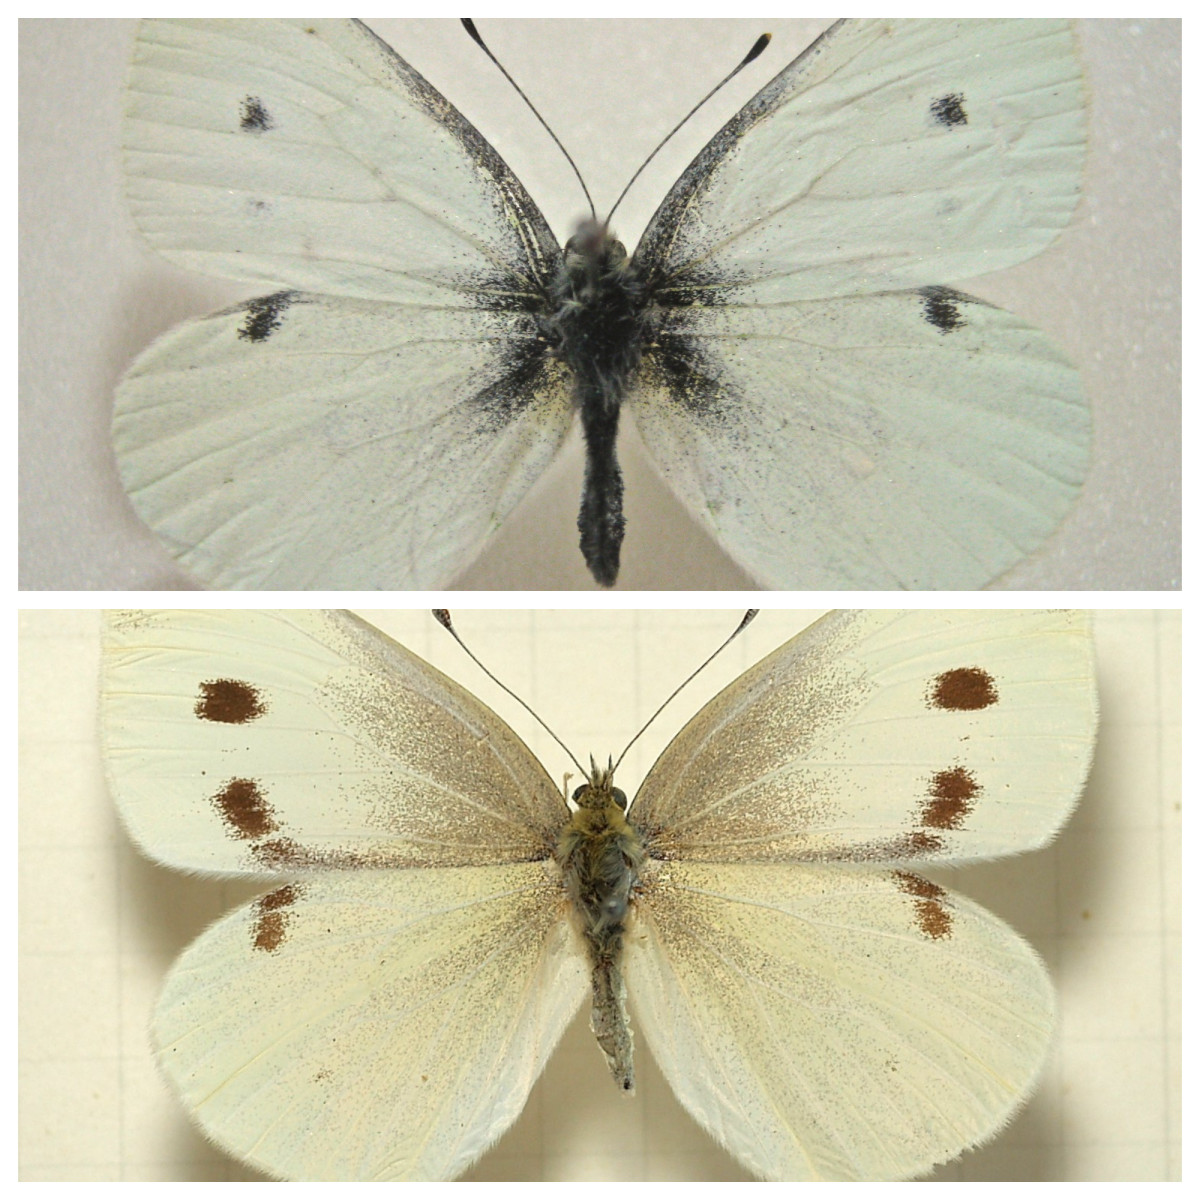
[(597, 328), (601, 855)]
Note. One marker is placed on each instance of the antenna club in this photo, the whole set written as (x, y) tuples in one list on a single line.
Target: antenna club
[(469, 26), (758, 47)]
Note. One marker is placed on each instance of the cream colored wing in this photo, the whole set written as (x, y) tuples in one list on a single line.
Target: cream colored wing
[(270, 743), (372, 1025), (833, 1023), (885, 737)]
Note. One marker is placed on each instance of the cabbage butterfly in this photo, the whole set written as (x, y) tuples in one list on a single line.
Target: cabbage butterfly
[(816, 1004), (831, 411)]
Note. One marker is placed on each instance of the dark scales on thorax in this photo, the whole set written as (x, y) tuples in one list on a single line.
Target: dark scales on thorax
[(602, 855), (597, 327)]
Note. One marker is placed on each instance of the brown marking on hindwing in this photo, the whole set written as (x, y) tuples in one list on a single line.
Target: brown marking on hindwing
[(965, 689), (244, 809), (229, 702), (951, 795), (271, 917), (933, 917)]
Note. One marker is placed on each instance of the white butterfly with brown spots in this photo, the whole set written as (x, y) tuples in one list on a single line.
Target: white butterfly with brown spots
[(440, 910)]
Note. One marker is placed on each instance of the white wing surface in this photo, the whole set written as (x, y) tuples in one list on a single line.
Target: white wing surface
[(829, 1023), (301, 441), (276, 743), (906, 440), (885, 738), (815, 394), (309, 155), (891, 154), (373, 1025), (372, 425)]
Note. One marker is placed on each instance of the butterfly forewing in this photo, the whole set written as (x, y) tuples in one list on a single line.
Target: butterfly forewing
[(886, 737), (891, 154), (285, 742), (309, 155), (831, 1023), (373, 1025)]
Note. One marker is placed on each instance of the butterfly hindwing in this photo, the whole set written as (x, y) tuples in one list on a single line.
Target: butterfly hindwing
[(376, 1025), (870, 1024), (901, 440), (299, 441)]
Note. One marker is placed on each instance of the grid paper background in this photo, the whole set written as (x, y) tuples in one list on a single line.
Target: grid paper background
[(99, 925)]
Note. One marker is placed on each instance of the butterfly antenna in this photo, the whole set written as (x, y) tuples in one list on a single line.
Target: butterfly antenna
[(443, 618), (755, 50), (469, 26), (750, 614)]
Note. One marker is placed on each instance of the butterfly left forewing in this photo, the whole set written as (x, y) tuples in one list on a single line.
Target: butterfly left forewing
[(308, 154), (373, 1025), (886, 737), (268, 743), (830, 1023)]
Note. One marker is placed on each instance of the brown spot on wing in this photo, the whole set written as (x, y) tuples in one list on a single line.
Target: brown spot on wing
[(933, 916), (965, 689), (271, 917), (951, 793), (244, 809), (229, 702)]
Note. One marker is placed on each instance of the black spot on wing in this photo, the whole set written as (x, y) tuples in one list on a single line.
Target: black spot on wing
[(264, 316), (948, 110), (943, 308), (254, 116)]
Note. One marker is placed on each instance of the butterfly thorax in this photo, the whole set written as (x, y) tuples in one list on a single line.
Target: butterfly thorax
[(596, 327), (601, 855)]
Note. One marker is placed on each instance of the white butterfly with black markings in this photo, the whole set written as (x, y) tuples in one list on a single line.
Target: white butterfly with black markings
[(783, 334), (440, 911)]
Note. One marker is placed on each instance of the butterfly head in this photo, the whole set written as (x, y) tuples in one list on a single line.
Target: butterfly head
[(591, 249), (599, 792)]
